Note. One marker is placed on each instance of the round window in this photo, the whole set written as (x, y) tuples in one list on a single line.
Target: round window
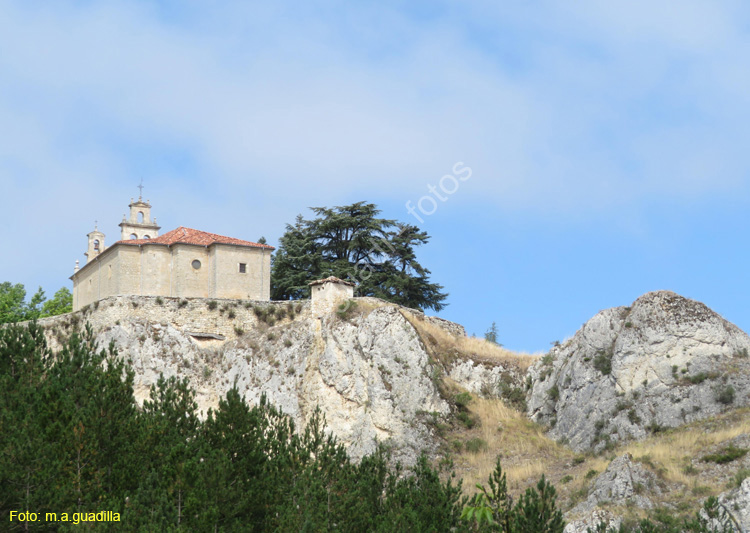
[(196, 264)]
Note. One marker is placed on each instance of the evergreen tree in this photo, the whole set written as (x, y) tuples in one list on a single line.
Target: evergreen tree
[(491, 334), (352, 242)]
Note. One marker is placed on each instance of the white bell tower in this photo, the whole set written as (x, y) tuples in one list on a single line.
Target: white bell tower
[(139, 225)]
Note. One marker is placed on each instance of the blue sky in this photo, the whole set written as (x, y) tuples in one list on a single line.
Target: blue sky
[(608, 142)]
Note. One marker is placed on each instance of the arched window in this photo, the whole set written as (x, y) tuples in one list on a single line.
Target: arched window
[(133, 236), (96, 245), (146, 237), (140, 217)]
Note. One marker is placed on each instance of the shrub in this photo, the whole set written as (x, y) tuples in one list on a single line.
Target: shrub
[(212, 305), (741, 475), (476, 445), (566, 479), (182, 304), (466, 419), (231, 314), (725, 455), (513, 396), (346, 309), (689, 470), (655, 427), (725, 395), (270, 336), (603, 362), (621, 406), (578, 459), (554, 393), (462, 400), (159, 300), (238, 330), (547, 360), (591, 473), (633, 417), (287, 343)]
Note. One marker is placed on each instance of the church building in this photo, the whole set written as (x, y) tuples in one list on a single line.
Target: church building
[(184, 262)]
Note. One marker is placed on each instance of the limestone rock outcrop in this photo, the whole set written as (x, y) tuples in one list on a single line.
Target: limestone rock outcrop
[(369, 371), (591, 520), (736, 503), (623, 482), (662, 362)]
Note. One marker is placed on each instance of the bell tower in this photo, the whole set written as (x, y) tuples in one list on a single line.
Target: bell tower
[(96, 244), (139, 225)]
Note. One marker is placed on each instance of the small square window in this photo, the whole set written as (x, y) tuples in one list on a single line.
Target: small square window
[(243, 268)]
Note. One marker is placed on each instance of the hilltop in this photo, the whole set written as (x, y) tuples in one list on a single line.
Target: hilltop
[(641, 393)]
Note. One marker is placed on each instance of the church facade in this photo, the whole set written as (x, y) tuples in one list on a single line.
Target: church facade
[(184, 262)]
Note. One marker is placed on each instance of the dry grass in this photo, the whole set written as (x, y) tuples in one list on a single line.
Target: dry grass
[(471, 347), (526, 453), (675, 449)]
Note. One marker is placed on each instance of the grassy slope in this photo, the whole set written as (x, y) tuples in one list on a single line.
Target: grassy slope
[(675, 456)]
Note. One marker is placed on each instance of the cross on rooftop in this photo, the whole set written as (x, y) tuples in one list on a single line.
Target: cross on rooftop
[(140, 194)]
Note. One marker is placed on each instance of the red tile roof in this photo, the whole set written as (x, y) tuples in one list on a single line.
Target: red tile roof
[(183, 235)]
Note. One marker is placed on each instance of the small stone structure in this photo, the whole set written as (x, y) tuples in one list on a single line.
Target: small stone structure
[(327, 293), (184, 262)]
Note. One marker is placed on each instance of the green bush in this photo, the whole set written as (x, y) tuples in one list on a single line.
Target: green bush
[(466, 419), (603, 362), (700, 377), (346, 309), (741, 475), (212, 304), (475, 445), (514, 396), (462, 400), (725, 455), (554, 393), (725, 395)]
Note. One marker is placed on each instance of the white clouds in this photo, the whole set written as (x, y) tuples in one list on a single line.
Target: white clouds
[(565, 108)]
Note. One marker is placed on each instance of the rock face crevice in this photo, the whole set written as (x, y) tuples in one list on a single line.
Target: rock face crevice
[(663, 362)]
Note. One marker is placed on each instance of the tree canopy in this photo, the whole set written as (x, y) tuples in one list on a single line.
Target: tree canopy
[(352, 242), (15, 308)]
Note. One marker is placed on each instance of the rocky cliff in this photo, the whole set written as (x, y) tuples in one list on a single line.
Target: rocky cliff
[(631, 371), (376, 370)]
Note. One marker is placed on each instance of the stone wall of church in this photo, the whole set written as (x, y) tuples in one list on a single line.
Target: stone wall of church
[(188, 281), (254, 283), (154, 270), (99, 280)]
